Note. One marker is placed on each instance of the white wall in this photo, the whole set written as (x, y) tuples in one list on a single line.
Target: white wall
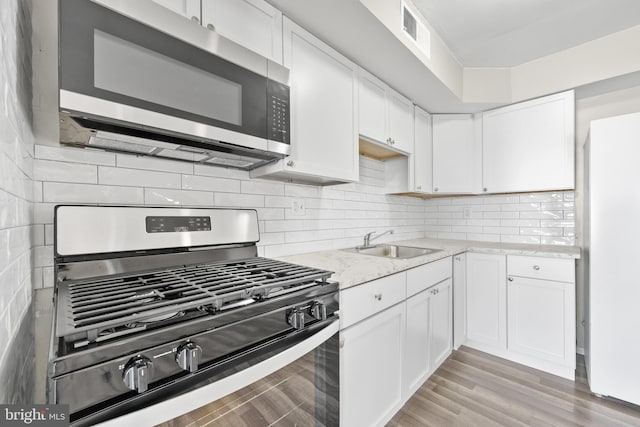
[(16, 186)]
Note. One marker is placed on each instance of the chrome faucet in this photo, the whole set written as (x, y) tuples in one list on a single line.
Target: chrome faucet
[(368, 238)]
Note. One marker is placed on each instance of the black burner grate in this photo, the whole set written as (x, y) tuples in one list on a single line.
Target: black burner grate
[(94, 305)]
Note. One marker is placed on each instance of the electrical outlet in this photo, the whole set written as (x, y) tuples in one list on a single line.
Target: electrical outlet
[(466, 212), (297, 207)]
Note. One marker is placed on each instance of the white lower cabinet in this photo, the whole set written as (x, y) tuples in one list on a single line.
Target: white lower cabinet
[(429, 335), (441, 336), (371, 369), (388, 351), (541, 314), (486, 301), (459, 300), (522, 308)]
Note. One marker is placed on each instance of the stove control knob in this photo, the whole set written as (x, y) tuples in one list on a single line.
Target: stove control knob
[(318, 310), (188, 356), (296, 319), (137, 374)]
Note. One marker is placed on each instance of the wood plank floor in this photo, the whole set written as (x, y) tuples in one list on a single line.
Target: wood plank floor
[(476, 389)]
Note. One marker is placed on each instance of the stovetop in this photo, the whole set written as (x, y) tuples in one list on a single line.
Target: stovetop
[(102, 308)]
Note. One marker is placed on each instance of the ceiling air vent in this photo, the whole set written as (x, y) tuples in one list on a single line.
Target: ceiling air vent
[(416, 30)]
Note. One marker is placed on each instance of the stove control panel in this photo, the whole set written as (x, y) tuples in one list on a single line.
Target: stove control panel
[(137, 374), (188, 356), (177, 224)]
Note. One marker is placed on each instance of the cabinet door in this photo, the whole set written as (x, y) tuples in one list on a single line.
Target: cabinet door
[(486, 301), (416, 367), (459, 298), (400, 121), (254, 24), (373, 108), (188, 8), (441, 323), (530, 146), (324, 107), (540, 319), (454, 154), (421, 161), (371, 369)]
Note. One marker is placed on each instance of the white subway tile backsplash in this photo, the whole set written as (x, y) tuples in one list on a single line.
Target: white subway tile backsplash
[(43, 256), (47, 170), (165, 196), (150, 163), (88, 193), (520, 207), (137, 178), (295, 190), (541, 197), (558, 223), (520, 223), (541, 231), (541, 215), (194, 182), (218, 172), (75, 155), (334, 217), (483, 237), (238, 200), (261, 187)]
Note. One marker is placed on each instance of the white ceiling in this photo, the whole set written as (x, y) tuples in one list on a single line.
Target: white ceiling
[(504, 33)]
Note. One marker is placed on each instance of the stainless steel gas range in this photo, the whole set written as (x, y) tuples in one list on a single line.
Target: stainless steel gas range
[(152, 303)]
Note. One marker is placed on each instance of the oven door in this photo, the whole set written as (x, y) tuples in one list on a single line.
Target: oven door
[(294, 381), (116, 68)]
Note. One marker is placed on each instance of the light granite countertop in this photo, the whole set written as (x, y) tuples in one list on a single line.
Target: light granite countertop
[(352, 269)]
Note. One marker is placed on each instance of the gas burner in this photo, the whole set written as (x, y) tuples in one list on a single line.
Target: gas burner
[(154, 319)]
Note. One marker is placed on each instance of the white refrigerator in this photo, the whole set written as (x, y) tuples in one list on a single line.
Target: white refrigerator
[(612, 257)]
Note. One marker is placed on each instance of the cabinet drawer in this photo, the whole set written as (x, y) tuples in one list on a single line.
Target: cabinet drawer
[(561, 270), (362, 301), (425, 276)]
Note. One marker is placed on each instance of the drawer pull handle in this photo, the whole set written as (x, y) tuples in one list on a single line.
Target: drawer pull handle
[(378, 297), (510, 279), (536, 267)]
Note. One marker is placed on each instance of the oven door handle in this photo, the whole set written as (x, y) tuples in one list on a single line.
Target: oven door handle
[(187, 402)]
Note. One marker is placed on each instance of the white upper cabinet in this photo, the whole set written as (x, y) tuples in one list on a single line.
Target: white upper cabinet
[(386, 116), (254, 24), (530, 146), (400, 123), (188, 8), (412, 174), (456, 154), (324, 113), (421, 161), (373, 107)]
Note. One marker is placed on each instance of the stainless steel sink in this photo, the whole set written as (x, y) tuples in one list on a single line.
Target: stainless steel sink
[(393, 251)]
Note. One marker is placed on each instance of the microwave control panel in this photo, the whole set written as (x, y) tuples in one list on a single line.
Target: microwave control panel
[(278, 112)]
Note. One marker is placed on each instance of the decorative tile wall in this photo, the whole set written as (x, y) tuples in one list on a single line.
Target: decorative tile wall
[(16, 203)]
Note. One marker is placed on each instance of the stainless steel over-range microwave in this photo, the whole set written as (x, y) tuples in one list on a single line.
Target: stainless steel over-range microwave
[(136, 77)]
